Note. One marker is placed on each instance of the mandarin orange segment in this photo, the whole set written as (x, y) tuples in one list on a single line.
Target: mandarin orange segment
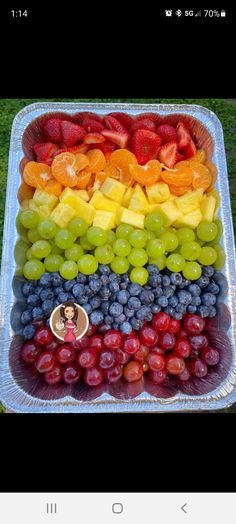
[(53, 187), (100, 177), (199, 157), (25, 192), (122, 159), (179, 190), (97, 160), (36, 174), (213, 170), (148, 174), (23, 163), (81, 161), (112, 171), (64, 169), (83, 178), (202, 177), (180, 176)]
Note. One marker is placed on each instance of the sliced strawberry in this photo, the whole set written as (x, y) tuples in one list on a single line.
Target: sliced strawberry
[(183, 135), (81, 148), (93, 138), (179, 157), (190, 150), (105, 147), (52, 130), (167, 154), (79, 117), (167, 133), (123, 118), (92, 126), (71, 133), (45, 151), (143, 123), (150, 116), (120, 139), (112, 123), (145, 145)]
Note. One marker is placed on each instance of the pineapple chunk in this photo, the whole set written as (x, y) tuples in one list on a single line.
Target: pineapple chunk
[(130, 217), (190, 201), (104, 219), (158, 193), (82, 193), (69, 197), (113, 189), (216, 195), (101, 202), (169, 211), (207, 208), (171, 197), (33, 205), (44, 211), (62, 214), (190, 219), (42, 198), (138, 201), (25, 204), (127, 196), (85, 211)]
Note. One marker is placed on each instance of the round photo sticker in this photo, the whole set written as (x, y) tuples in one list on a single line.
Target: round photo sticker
[(69, 321)]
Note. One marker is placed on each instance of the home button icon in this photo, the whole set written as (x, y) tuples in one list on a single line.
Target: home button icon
[(117, 508)]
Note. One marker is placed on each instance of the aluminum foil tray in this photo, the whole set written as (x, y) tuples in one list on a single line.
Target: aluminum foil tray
[(21, 389)]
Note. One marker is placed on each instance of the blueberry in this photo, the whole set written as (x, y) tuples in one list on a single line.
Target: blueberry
[(163, 301), (212, 311), (176, 278), (203, 311), (196, 301), (27, 288), (115, 325), (108, 319), (146, 297), (115, 309), (208, 299), (165, 280), (169, 310), (81, 279), (26, 317), (158, 292), (191, 309), (134, 289), (208, 271), (68, 284), (56, 279), (88, 308), (123, 285), (173, 301), (114, 286), (95, 285), (104, 306), (46, 293), (142, 313), (180, 308), (104, 270), (47, 322), (104, 280), (129, 313), (184, 283), (56, 302), (177, 315), (82, 300), (136, 324), (152, 269), (33, 300), (78, 290), (149, 317), (96, 318), (203, 281), (194, 289), (153, 280), (37, 313), (62, 297), (184, 297), (134, 303), (125, 278), (70, 297), (155, 308), (122, 296), (125, 328), (168, 292), (38, 290), (213, 288), (95, 302), (88, 292), (29, 331), (104, 292), (114, 277), (47, 305), (121, 318), (45, 280)]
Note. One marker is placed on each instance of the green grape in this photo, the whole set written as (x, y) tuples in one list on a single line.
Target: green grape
[(207, 256), (121, 247), (64, 238), (190, 250), (138, 238), (120, 265), (160, 231), (124, 230), (74, 252), (185, 234), (139, 275), (85, 243), (21, 230), (138, 257), (175, 262), (150, 234), (87, 264), (41, 249), (20, 251), (78, 227), (33, 269), (219, 230), (207, 231), (171, 229), (96, 236), (29, 218), (111, 237), (55, 249), (53, 262), (200, 242), (47, 229), (68, 270), (170, 240), (29, 253), (153, 222), (155, 248), (220, 261), (33, 235), (192, 271), (160, 262), (104, 254)]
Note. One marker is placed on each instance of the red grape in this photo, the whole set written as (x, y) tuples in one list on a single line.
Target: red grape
[(87, 358), (65, 354), (82, 343), (106, 359), (113, 374), (122, 357), (174, 326), (194, 324), (198, 367), (210, 356), (158, 377), (155, 361), (131, 344), (96, 342), (167, 341), (113, 339), (142, 353), (174, 365), (53, 346), (148, 336), (45, 361), (29, 352), (161, 321), (133, 371), (43, 336), (54, 376), (93, 376), (72, 374), (182, 348), (91, 330), (198, 341), (185, 374)]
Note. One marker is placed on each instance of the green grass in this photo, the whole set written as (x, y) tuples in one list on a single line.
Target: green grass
[(224, 109)]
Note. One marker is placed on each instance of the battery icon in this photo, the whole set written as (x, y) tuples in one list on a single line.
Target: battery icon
[(223, 13)]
